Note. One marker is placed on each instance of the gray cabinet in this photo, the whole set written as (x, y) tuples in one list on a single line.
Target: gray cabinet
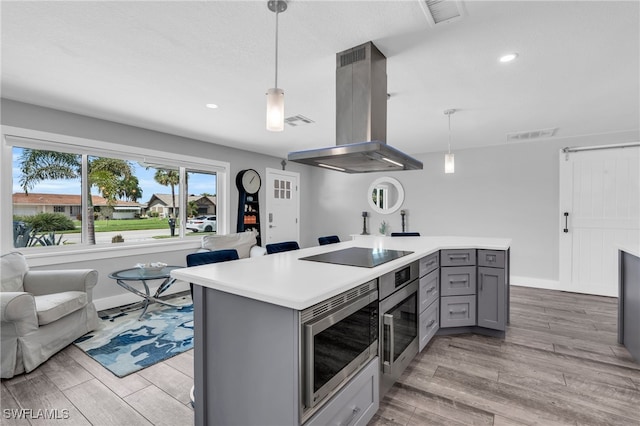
[(458, 288), (428, 299), (355, 404), (492, 291), (457, 311), (429, 292), (429, 324), (429, 263), (491, 298), (458, 257), (458, 280)]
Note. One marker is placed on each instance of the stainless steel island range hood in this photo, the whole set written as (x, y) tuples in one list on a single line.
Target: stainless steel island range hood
[(361, 118)]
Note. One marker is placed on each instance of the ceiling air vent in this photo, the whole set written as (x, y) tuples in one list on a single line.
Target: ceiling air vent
[(298, 120), (442, 11), (531, 134)]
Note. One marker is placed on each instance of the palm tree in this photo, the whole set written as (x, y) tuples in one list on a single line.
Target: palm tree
[(107, 174), (170, 178)]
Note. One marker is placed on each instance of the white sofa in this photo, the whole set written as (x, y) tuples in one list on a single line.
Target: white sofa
[(42, 312), (245, 243)]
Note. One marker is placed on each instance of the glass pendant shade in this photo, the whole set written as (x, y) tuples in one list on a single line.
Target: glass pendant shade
[(449, 163), (275, 110)]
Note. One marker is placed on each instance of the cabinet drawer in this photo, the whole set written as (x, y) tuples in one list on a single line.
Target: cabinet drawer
[(356, 403), (429, 263), (458, 281), (457, 311), (429, 323), (429, 285), (491, 258), (458, 257)]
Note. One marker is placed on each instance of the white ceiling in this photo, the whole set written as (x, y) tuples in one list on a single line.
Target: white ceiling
[(155, 64)]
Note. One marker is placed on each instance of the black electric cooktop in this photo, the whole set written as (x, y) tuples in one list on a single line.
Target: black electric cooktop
[(358, 256)]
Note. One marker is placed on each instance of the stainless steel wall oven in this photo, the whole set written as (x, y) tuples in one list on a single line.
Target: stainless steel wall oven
[(339, 336), (398, 291)]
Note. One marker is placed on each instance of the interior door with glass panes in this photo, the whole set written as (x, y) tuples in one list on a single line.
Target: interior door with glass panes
[(283, 206)]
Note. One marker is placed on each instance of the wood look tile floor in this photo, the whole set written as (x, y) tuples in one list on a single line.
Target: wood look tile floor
[(558, 365)]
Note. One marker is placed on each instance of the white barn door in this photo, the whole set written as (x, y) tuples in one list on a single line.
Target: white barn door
[(599, 209), (283, 207)]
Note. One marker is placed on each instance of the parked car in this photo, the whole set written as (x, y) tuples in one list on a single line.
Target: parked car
[(202, 224)]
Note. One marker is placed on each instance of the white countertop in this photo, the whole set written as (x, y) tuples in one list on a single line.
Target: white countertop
[(283, 279), (633, 249)]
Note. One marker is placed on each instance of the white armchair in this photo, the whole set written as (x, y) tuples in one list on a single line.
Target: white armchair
[(42, 312)]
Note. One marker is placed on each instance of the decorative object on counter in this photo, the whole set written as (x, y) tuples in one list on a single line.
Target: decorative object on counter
[(402, 214), (124, 345), (385, 195), (275, 95), (364, 223), (449, 163), (383, 228)]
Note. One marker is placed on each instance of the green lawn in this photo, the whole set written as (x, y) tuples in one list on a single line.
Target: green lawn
[(126, 225)]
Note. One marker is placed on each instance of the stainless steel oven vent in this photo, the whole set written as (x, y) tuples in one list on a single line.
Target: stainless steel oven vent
[(336, 302)]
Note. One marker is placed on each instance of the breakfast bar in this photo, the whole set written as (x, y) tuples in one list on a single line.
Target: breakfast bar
[(261, 322)]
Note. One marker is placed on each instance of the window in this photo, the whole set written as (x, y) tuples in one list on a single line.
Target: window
[(126, 195)]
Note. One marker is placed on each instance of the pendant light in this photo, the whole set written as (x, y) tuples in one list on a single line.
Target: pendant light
[(449, 163), (275, 95)]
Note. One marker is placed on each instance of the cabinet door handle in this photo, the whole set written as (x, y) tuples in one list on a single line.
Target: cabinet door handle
[(431, 323), (458, 257), (458, 281), (429, 290), (464, 311), (352, 417), (566, 222)]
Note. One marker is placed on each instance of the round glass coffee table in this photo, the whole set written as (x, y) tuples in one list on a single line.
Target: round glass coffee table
[(126, 277)]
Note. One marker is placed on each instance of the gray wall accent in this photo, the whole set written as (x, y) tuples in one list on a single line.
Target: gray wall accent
[(509, 191)]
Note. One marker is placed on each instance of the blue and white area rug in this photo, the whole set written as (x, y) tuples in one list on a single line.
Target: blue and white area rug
[(125, 345)]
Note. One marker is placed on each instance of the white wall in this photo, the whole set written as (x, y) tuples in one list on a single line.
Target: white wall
[(506, 191)]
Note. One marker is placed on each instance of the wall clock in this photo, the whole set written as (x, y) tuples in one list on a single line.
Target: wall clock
[(249, 181)]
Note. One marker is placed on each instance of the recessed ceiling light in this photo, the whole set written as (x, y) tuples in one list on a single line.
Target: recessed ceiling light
[(508, 57), (212, 106)]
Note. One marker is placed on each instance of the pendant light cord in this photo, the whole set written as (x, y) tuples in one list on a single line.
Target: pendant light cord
[(449, 132), (277, 13)]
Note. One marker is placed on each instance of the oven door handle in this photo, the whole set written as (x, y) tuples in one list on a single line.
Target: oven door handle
[(387, 321)]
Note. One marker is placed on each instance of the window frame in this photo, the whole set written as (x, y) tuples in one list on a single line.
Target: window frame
[(35, 139)]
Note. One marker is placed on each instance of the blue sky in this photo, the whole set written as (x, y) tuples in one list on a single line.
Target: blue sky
[(198, 183)]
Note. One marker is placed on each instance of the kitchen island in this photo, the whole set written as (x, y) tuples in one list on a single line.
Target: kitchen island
[(247, 326)]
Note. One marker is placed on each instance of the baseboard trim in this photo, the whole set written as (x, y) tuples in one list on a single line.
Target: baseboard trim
[(127, 298)]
